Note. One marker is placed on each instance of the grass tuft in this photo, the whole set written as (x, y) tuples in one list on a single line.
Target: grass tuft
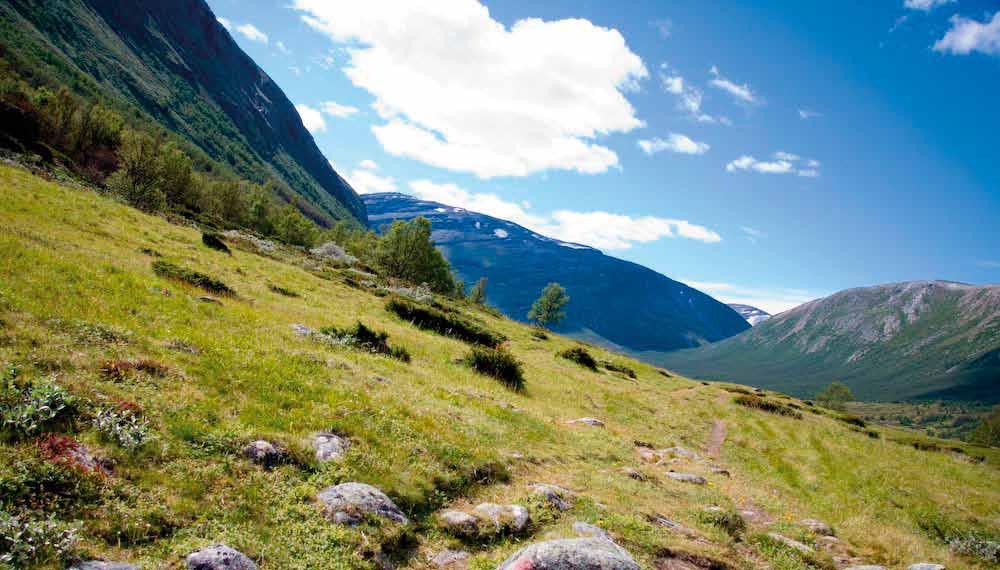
[(758, 403), (364, 338), (168, 270)]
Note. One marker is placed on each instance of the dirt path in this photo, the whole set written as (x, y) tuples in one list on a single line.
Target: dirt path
[(716, 439)]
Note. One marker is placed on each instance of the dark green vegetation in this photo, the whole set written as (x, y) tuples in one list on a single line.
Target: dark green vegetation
[(988, 430), (547, 310), (405, 251), (865, 338), (191, 277), (619, 367), (943, 419), (369, 340), (214, 241), (835, 396), (498, 363), (171, 64), (764, 404), (429, 318), (579, 355)]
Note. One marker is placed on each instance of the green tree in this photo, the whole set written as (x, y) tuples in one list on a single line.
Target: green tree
[(835, 396), (139, 178), (293, 228), (548, 308), (478, 292), (406, 252), (988, 431)]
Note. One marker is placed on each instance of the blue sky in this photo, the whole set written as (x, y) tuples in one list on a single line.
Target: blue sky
[(766, 152)]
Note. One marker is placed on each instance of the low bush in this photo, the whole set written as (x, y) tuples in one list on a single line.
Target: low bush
[(214, 241), (437, 321), (363, 338), (579, 355), (168, 270), (758, 403), (852, 420), (539, 334), (498, 363), (27, 408), (333, 253), (124, 427), (619, 367), (731, 522), (28, 543)]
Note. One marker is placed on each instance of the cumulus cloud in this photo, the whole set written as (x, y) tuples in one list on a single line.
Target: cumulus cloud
[(459, 90), (602, 230), (925, 5), (675, 142), (783, 163), (335, 109), (365, 180), (966, 36), (312, 119), (250, 32), (741, 92), (773, 301)]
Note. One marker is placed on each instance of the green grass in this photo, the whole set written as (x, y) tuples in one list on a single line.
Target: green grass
[(76, 292)]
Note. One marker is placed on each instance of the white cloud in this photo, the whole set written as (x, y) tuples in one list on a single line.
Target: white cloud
[(773, 301), (783, 163), (741, 92), (782, 155), (675, 142), (364, 180), (335, 109), (689, 97), (808, 173), (752, 234), (967, 36), (925, 5), (602, 230), (460, 90), (250, 32), (811, 163), (281, 47), (311, 118), (226, 24), (665, 27), (806, 114)]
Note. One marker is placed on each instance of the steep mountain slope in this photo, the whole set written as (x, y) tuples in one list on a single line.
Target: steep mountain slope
[(83, 313), (174, 63), (613, 302), (920, 339), (753, 315)]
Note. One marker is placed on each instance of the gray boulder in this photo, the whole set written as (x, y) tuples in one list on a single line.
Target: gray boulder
[(687, 478), (587, 421), (590, 530), (504, 518), (347, 504), (102, 565), (925, 566), (264, 453), (329, 446), (571, 554), (219, 557), (561, 499), (817, 527), (792, 543), (459, 523), (451, 559)]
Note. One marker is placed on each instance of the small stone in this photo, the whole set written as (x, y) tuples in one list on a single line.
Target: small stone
[(219, 557), (459, 523), (209, 299), (648, 455), (330, 446), (803, 548), (588, 421), (687, 478), (866, 567), (817, 527), (451, 559), (925, 566), (680, 452), (635, 474), (302, 330), (102, 565), (264, 453), (719, 471), (590, 530), (569, 554), (554, 495), (347, 503), (505, 518)]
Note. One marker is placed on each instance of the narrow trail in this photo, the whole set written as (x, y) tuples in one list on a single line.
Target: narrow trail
[(716, 439)]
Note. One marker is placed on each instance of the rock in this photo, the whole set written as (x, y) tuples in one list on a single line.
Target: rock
[(866, 567), (638, 476), (648, 455), (680, 452), (571, 554), (329, 446), (459, 523), (687, 478), (451, 559), (302, 330), (264, 453), (505, 518), (554, 495), (803, 548), (102, 565), (209, 299), (588, 421), (347, 504), (719, 470), (817, 527), (219, 557), (590, 530), (925, 566)]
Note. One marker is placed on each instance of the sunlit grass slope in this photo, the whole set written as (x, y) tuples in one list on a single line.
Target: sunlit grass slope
[(431, 433)]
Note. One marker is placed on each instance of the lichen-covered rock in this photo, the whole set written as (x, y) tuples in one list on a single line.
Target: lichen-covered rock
[(503, 518), (329, 446), (792, 543), (102, 565), (680, 452), (817, 527), (264, 453), (571, 554), (587, 421), (925, 566), (590, 530), (866, 567), (561, 499), (454, 559), (687, 478), (219, 557), (459, 523), (348, 503)]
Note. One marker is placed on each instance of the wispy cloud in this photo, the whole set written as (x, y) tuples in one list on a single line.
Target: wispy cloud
[(335, 109), (366, 180), (773, 301), (675, 142), (806, 114), (925, 5), (782, 163), (250, 32), (281, 47), (689, 97), (225, 23), (752, 234), (740, 92), (967, 36), (664, 27)]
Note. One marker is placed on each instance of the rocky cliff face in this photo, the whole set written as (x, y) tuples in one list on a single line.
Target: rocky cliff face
[(613, 302), (174, 63), (919, 339)]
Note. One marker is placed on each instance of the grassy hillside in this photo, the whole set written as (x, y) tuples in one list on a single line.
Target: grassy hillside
[(81, 309)]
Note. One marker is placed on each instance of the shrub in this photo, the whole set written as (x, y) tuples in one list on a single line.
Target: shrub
[(619, 367), (499, 363), (431, 319), (123, 426), (363, 338), (168, 270), (283, 291), (579, 355), (405, 251), (118, 370), (27, 409), (214, 241), (330, 251), (852, 420), (730, 521), (26, 543), (538, 334), (758, 403)]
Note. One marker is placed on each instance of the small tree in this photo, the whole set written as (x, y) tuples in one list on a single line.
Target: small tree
[(548, 308), (988, 432), (478, 292), (835, 395), (406, 252)]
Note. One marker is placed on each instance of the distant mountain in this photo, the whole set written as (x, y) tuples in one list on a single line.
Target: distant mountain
[(753, 315), (173, 63), (914, 340), (613, 302)]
